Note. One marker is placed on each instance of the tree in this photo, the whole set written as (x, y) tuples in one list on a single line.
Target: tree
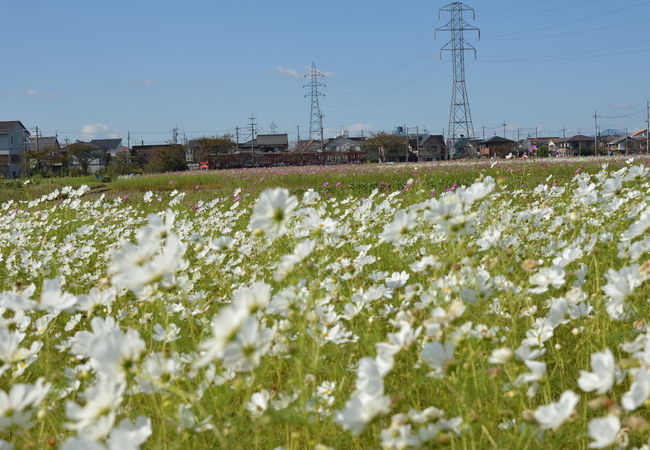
[(206, 147), (82, 154), (122, 165), (388, 146), (166, 159), (41, 161)]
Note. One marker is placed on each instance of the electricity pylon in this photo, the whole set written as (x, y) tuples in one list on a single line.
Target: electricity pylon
[(461, 129), (316, 118)]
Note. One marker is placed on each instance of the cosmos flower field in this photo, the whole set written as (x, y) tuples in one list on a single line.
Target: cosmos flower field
[(489, 314)]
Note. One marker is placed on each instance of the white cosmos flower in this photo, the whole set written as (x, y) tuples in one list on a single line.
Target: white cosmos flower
[(127, 436), (501, 356), (17, 407), (258, 403), (402, 223), (438, 356), (602, 377), (639, 391), (115, 352), (272, 211), (136, 266), (252, 342), (620, 284), (95, 419), (169, 335), (548, 276), (53, 299), (604, 431), (367, 401), (555, 414)]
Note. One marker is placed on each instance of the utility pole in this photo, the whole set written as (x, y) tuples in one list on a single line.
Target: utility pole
[(37, 138), (316, 116), (417, 141), (175, 135), (504, 128), (483, 132), (460, 117), (563, 132), (322, 139), (274, 128), (596, 133), (647, 129), (252, 128), (237, 136), (625, 142), (128, 147), (298, 139)]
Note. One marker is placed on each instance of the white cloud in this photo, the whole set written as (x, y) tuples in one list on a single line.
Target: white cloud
[(30, 92), (287, 72), (97, 131), (328, 74), (144, 83), (622, 105)]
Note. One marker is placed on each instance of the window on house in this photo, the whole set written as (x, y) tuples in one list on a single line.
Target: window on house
[(12, 140)]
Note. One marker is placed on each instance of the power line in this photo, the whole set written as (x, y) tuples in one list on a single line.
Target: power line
[(571, 22)]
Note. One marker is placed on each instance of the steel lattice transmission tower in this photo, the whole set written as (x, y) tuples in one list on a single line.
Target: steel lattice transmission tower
[(316, 117), (461, 129)]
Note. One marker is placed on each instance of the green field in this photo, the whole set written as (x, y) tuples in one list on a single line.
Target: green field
[(465, 305)]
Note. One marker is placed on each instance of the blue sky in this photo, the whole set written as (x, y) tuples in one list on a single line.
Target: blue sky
[(97, 69)]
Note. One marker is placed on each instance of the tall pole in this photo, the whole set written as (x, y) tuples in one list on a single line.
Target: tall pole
[(647, 129), (504, 128), (298, 140), (596, 133), (322, 139), (252, 128), (417, 141), (460, 117)]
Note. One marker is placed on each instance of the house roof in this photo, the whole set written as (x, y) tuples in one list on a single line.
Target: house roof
[(619, 139), (640, 132), (6, 127), (497, 140), (580, 138), (44, 142), (272, 139), (107, 144)]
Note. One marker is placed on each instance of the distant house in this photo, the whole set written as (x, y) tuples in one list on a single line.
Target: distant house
[(497, 146), (266, 143), (13, 140), (428, 147), (622, 144), (342, 144), (576, 145), (111, 146), (55, 160), (102, 152), (143, 154)]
